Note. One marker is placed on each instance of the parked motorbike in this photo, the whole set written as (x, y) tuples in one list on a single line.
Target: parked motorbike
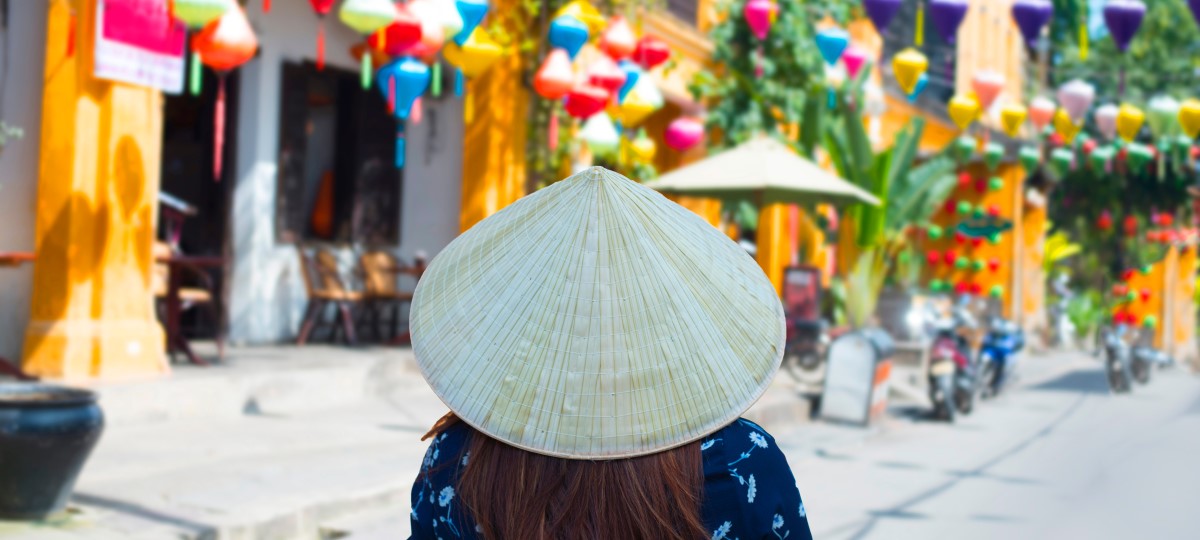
[(997, 353), (1146, 357), (951, 373), (804, 353), (1118, 359)]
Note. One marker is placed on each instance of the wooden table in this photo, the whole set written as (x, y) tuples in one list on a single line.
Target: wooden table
[(175, 340), (13, 259)]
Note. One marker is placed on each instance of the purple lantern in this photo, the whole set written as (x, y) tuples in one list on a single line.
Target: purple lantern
[(1032, 15), (1123, 18), (947, 15), (882, 12), (1194, 5)]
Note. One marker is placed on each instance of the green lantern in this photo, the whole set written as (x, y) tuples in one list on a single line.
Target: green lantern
[(995, 183), (1130, 296), (964, 147), (961, 263), (1145, 270), (964, 207), (977, 265), (992, 154), (1100, 158), (936, 285), (994, 239), (1138, 155), (934, 232), (1060, 161), (1030, 156), (1150, 321), (996, 291), (978, 212)]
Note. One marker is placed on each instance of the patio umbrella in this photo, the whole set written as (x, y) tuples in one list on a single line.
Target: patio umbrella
[(763, 171)]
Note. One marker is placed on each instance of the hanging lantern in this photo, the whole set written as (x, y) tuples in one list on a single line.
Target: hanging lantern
[(446, 11), (1138, 156), (632, 111), (683, 133), (1123, 18), (1065, 127), (322, 8), (223, 45), (604, 73), (908, 65), (569, 34), (1030, 157), (992, 154), (854, 58), (584, 100), (1061, 160), (585, 13), (963, 110), (987, 85), (932, 258), (1076, 98), (1041, 112), (934, 232), (401, 35), (1128, 121), (1163, 116), (993, 264), (1189, 115), (1106, 120), (921, 82), (472, 13), (995, 183), (644, 148), (476, 56), (1012, 117), (1105, 222), (759, 15), (947, 16), (964, 147), (402, 82), (881, 12), (633, 72), (618, 40), (195, 14), (600, 135), (433, 30), (831, 43), (950, 257), (555, 77), (366, 17), (651, 52), (648, 89), (1031, 16)]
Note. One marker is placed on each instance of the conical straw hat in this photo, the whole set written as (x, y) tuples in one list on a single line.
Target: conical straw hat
[(595, 319)]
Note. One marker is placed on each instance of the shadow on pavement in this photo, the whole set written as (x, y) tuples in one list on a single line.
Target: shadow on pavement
[(139, 511), (1089, 381)]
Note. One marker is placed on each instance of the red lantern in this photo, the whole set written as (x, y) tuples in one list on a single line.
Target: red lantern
[(554, 78), (604, 73), (981, 185), (960, 237), (1120, 290), (961, 288), (1127, 275), (223, 45), (950, 206), (1130, 225), (322, 8), (1144, 294), (993, 264), (1055, 139), (1105, 221), (950, 257), (993, 211), (400, 35), (964, 180), (650, 52), (976, 242), (618, 40), (1165, 219), (1088, 146), (976, 288), (585, 100), (932, 257)]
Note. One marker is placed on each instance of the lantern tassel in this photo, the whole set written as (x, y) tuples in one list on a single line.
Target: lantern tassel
[(458, 82), (400, 145), (436, 75), (552, 131), (321, 44), (392, 95), (417, 112), (194, 78), (919, 29), (758, 67), (1083, 33), (219, 128), (366, 69)]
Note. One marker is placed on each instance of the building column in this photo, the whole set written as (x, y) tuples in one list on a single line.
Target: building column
[(92, 312)]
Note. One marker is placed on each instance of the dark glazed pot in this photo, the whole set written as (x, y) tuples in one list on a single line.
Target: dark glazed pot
[(46, 434)]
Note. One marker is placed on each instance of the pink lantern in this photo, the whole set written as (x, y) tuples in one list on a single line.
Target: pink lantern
[(1041, 111), (759, 16), (854, 58), (987, 85), (683, 133), (605, 73), (1076, 98)]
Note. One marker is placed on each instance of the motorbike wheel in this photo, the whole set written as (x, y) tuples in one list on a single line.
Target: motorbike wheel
[(1141, 371), (964, 400), (1116, 375), (987, 375), (949, 409)]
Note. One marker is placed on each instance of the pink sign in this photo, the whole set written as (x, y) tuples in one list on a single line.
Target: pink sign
[(138, 42)]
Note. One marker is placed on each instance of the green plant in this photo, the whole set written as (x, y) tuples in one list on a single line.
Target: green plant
[(863, 284), (1086, 311), (1058, 248)]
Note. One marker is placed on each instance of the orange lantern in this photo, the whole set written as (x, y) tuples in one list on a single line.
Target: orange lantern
[(223, 45)]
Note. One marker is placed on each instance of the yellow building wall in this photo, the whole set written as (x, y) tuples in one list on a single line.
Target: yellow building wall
[(1171, 287), (91, 312)]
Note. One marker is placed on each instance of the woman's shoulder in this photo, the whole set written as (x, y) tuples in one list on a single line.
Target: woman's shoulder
[(735, 435), (448, 444)]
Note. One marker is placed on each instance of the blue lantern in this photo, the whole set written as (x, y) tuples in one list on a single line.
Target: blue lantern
[(402, 82), (633, 72), (917, 88), (832, 42), (568, 33), (472, 13)]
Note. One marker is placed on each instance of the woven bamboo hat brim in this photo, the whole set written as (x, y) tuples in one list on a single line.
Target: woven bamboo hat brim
[(595, 319)]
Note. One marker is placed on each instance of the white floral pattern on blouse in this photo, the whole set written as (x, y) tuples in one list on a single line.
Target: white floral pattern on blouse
[(749, 490)]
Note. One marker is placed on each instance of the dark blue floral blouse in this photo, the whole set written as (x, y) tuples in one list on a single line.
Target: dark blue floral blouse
[(749, 490)]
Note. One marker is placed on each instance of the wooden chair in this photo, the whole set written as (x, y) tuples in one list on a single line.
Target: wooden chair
[(204, 294), (381, 272), (324, 285)]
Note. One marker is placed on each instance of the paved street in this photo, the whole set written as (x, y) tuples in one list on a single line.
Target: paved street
[(1058, 459)]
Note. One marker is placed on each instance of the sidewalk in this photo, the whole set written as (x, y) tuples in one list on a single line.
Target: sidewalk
[(297, 443)]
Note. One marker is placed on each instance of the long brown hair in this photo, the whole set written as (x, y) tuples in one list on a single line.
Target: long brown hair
[(517, 494)]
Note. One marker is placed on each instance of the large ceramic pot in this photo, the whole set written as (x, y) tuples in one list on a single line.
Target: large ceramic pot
[(46, 434)]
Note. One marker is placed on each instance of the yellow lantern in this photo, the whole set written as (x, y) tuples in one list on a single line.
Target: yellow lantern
[(643, 148), (908, 65), (633, 111), (1129, 121), (586, 13), (1189, 117), (963, 110), (1066, 127), (1012, 117), (475, 56)]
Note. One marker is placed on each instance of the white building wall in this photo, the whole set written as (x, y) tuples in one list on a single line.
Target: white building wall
[(22, 48), (266, 295)]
